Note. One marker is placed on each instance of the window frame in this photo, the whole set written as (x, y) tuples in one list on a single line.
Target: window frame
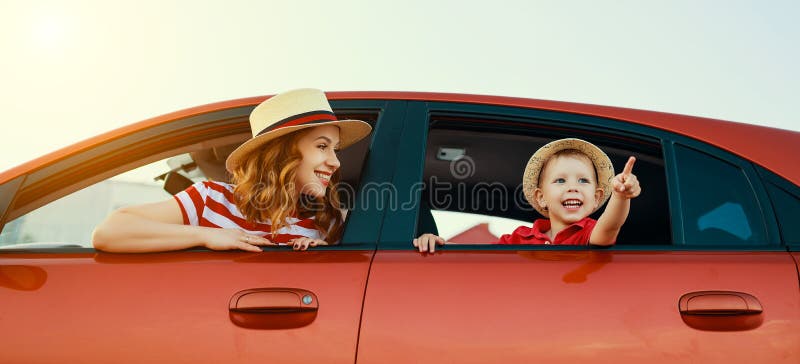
[(88, 166), (397, 235), (788, 187), (757, 187)]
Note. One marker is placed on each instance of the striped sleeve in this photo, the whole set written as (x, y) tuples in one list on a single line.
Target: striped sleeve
[(192, 202)]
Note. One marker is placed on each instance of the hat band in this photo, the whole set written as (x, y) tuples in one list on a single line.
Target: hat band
[(311, 117)]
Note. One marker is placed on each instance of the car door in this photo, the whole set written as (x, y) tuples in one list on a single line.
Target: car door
[(71, 303), (681, 286)]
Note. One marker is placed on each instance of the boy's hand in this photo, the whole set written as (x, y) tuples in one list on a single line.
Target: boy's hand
[(625, 184), (428, 242)]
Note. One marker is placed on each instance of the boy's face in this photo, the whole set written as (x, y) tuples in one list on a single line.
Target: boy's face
[(568, 188)]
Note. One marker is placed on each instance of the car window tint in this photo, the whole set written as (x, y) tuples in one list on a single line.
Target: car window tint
[(787, 209), (719, 205)]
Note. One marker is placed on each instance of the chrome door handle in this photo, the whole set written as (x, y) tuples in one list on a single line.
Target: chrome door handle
[(273, 308)]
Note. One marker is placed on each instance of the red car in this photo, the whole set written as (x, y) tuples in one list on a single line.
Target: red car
[(704, 270)]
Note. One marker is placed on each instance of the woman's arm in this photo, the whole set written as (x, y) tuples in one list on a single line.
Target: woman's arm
[(157, 227)]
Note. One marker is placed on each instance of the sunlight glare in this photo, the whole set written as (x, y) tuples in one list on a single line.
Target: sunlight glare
[(50, 31)]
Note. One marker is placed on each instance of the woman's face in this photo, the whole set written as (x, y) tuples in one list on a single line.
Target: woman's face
[(318, 147)]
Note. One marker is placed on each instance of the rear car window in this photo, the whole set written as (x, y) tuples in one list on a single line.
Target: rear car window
[(787, 209), (718, 201)]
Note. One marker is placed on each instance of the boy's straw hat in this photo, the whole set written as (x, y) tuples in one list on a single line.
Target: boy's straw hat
[(292, 111), (602, 165)]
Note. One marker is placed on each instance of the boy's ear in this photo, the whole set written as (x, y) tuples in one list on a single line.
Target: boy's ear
[(538, 195), (598, 196)]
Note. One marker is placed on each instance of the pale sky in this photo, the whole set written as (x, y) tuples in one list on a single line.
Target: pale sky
[(73, 69)]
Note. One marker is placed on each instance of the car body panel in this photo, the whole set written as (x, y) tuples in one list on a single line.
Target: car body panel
[(570, 306), (173, 307)]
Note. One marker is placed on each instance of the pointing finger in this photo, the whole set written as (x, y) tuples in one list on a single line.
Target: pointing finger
[(629, 166)]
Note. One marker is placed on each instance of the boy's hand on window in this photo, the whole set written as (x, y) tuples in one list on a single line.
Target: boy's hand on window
[(428, 242), (625, 184)]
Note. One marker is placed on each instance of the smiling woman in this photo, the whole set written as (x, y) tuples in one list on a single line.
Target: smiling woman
[(284, 189)]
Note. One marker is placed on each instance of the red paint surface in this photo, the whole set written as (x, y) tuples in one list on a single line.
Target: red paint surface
[(571, 307), (173, 307)]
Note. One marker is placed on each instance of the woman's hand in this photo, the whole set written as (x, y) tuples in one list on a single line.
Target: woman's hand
[(304, 243), (428, 242), (228, 239)]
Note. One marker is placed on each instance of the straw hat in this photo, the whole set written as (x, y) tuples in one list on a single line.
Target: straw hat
[(602, 165), (292, 111)]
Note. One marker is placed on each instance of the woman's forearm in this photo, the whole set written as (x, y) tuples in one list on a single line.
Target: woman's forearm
[(128, 232)]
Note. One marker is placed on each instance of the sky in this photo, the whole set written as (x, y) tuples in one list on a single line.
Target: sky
[(70, 70)]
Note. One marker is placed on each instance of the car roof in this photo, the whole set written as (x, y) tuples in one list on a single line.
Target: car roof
[(746, 140)]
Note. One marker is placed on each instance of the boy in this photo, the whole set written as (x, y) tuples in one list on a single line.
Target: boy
[(566, 181)]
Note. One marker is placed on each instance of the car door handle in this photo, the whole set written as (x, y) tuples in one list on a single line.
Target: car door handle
[(273, 308), (719, 303), (720, 310)]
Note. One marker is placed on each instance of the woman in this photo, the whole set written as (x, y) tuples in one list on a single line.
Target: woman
[(284, 188)]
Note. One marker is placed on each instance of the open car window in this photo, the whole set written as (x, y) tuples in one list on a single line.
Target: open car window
[(473, 167), (69, 221), (66, 218)]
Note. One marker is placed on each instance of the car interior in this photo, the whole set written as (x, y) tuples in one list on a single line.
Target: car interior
[(484, 164), (210, 163)]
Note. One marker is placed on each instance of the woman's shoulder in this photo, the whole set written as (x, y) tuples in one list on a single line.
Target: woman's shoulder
[(216, 185)]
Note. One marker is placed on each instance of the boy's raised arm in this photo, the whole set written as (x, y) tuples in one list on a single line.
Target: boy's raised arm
[(625, 186)]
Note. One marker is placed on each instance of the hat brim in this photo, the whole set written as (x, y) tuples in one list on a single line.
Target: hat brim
[(602, 165), (350, 131)]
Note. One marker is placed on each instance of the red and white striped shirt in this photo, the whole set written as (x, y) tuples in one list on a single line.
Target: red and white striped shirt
[(210, 203)]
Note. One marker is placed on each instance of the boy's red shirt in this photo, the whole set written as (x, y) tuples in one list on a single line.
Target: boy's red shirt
[(575, 234)]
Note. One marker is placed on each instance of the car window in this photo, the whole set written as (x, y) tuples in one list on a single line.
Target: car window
[(475, 169), (465, 228), (719, 205), (69, 220), (787, 208)]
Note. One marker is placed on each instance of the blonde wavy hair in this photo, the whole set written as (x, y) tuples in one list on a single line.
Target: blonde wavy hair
[(266, 191)]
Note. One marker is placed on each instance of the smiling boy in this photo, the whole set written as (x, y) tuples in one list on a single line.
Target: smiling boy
[(566, 181)]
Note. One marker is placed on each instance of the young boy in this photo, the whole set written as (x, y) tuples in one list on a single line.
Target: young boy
[(566, 181)]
